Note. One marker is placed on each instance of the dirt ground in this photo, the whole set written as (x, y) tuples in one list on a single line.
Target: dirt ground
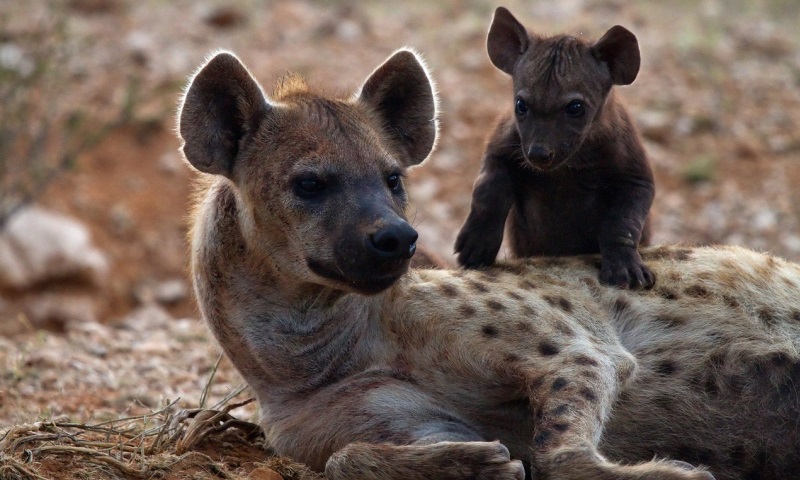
[(717, 100)]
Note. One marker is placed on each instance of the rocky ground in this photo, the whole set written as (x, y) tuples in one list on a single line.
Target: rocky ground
[(96, 321)]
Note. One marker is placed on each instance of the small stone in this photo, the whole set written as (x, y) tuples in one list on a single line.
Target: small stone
[(38, 246), (656, 126), (225, 17), (170, 291)]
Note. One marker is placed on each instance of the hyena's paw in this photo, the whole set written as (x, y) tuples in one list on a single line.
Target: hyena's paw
[(624, 268), (483, 461), (442, 461), (584, 463)]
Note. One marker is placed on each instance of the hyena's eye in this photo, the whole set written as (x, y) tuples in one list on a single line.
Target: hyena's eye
[(575, 109), (393, 181), (521, 107), (308, 187)]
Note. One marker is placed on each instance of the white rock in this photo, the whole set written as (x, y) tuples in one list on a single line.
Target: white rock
[(38, 246)]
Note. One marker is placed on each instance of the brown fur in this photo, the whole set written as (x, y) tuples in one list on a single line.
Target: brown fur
[(366, 370), (571, 184)]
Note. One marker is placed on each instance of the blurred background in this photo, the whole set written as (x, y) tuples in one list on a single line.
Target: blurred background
[(94, 194)]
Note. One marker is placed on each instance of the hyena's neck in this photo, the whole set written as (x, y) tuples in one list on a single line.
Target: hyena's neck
[(285, 337)]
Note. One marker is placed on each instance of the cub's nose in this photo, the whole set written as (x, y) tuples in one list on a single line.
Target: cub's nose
[(539, 154), (395, 241)]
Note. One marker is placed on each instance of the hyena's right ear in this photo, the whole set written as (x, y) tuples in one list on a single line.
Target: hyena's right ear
[(222, 105), (507, 40)]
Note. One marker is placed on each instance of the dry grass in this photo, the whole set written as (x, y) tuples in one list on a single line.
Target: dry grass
[(166, 443)]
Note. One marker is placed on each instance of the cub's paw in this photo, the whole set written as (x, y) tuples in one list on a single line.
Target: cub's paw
[(624, 269), (477, 248)]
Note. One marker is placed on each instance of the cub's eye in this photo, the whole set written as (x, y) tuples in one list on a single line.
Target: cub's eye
[(308, 187), (521, 107), (575, 109), (393, 181)]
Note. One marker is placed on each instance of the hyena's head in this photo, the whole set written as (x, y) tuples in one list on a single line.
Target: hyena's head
[(560, 84), (319, 182)]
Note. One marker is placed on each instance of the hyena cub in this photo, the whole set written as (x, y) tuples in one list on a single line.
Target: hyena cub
[(568, 163), (368, 370)]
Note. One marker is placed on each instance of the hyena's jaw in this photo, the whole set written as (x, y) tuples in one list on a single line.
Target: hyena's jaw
[(367, 282)]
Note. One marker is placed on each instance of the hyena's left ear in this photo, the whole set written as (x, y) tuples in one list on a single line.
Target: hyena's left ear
[(223, 105), (619, 49), (402, 95)]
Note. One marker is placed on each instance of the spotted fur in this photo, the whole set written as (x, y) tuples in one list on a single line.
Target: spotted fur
[(365, 369)]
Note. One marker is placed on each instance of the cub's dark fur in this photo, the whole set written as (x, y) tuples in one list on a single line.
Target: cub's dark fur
[(568, 164)]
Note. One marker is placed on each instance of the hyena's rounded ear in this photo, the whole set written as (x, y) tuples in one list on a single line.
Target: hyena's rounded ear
[(402, 94), (619, 49), (507, 40), (222, 105)]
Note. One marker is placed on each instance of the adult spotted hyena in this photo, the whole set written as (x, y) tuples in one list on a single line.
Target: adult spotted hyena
[(364, 369)]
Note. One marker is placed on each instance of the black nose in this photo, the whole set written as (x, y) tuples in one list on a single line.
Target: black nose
[(395, 241), (539, 154)]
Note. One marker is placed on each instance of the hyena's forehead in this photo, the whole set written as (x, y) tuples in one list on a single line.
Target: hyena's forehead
[(331, 135)]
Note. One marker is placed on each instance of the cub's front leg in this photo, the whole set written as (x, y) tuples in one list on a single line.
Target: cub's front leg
[(481, 235)]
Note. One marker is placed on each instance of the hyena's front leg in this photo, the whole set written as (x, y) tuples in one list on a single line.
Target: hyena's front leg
[(571, 402), (442, 460)]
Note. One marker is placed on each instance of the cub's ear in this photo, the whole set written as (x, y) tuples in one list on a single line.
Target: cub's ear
[(222, 105), (619, 49), (402, 94), (507, 40)]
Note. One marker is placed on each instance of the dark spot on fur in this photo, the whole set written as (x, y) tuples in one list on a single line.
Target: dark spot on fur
[(671, 321), (548, 349), (449, 290), (767, 316), (564, 329), (560, 427), (490, 330), (523, 326), (495, 305), (666, 367), (528, 311), (588, 394), (779, 359), (526, 285), (710, 386), (621, 304), (477, 286), (559, 383), (668, 293), (513, 295), (560, 410), (559, 302), (584, 360), (466, 310), (541, 438), (698, 291), (511, 358), (795, 315), (730, 301), (589, 374)]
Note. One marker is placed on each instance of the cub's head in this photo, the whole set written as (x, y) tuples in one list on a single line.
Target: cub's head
[(560, 83), (318, 181)]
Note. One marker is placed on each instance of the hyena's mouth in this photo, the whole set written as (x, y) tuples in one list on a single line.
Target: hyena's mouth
[(367, 282)]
